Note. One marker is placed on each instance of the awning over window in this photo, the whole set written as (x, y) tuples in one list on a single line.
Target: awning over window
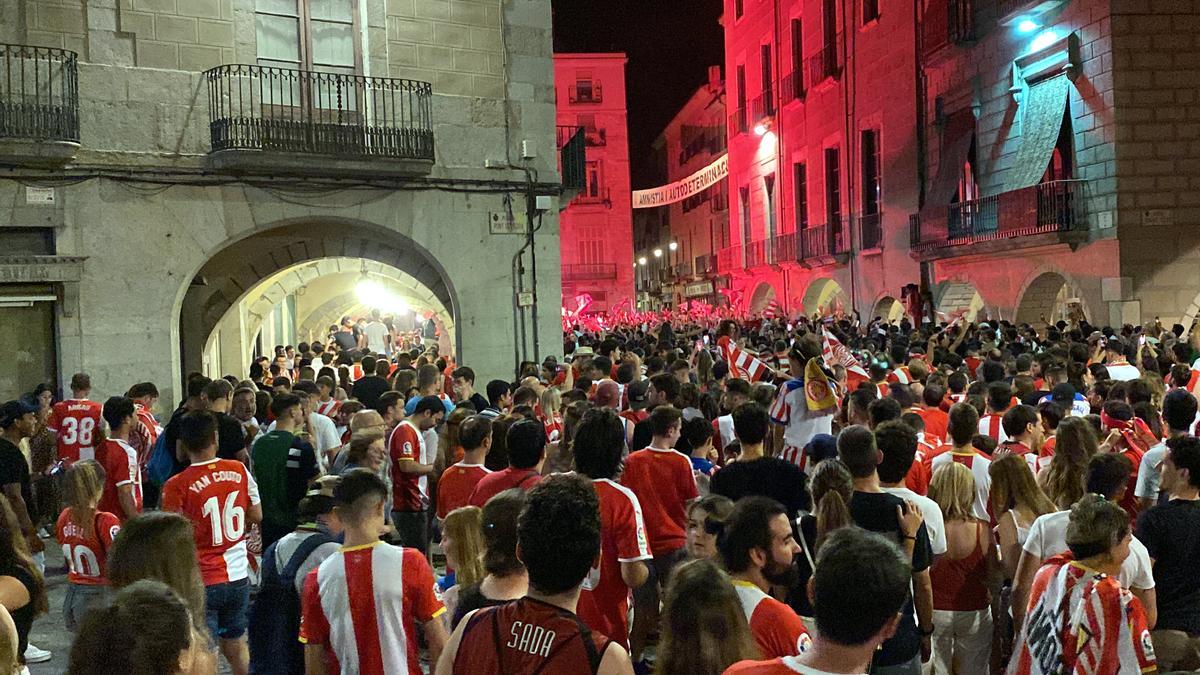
[(956, 143), (1044, 106)]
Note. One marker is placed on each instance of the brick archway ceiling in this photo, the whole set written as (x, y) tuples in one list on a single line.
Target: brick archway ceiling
[(235, 270), (1040, 298)]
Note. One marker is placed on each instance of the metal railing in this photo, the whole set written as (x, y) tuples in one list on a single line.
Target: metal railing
[(738, 120), (758, 253), (947, 23), (39, 93), (762, 106), (706, 264), (596, 137), (683, 269), (785, 248), (826, 63), (824, 240), (302, 111), (870, 229), (602, 195), (589, 271), (791, 87), (1054, 206), (592, 94), (711, 141), (572, 156), (729, 259)]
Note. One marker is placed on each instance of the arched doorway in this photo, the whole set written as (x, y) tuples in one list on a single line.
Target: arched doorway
[(889, 309), (1049, 298), (763, 294), (237, 269), (825, 297), (958, 298)]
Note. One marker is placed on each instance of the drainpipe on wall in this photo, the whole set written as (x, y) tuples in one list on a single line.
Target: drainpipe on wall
[(849, 84)]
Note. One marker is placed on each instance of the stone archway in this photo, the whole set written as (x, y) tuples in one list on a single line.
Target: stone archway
[(1048, 298), (238, 267), (762, 296), (959, 298), (825, 296), (889, 309)]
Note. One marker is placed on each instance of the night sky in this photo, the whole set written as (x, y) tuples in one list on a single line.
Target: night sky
[(670, 44)]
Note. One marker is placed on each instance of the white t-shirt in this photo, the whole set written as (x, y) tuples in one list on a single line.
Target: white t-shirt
[(935, 524), (1123, 372), (1048, 536), (1149, 477), (376, 333)]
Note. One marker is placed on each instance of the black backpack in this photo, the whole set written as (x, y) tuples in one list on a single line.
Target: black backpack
[(275, 613)]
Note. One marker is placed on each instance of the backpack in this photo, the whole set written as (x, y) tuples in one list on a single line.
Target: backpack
[(275, 612), (161, 464)]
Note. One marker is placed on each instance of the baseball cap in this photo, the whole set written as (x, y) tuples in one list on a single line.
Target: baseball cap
[(608, 394), (13, 411), (583, 351), (639, 394)]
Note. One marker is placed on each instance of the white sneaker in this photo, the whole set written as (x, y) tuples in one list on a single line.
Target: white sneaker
[(35, 655)]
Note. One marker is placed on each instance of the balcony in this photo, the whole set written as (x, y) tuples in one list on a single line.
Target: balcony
[(701, 140), (1043, 214), (572, 160), (596, 196), (595, 138), (785, 248), (706, 265), (758, 253), (825, 243), (586, 92), (870, 230), (946, 23), (267, 118), (590, 272), (791, 87), (729, 259), (738, 120), (683, 270), (39, 105), (762, 107), (826, 64)]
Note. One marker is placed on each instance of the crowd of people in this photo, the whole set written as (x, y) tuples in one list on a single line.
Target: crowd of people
[(758, 496)]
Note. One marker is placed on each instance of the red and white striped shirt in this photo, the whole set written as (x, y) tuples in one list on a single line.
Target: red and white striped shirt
[(363, 604), (75, 423), (145, 433), (215, 496), (990, 425), (742, 364), (329, 408), (979, 465)]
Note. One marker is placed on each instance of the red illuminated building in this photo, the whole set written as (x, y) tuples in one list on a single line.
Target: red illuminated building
[(1008, 157), (596, 229)]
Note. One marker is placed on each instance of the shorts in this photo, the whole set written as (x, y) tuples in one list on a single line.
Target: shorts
[(660, 573), (79, 599), (226, 609)]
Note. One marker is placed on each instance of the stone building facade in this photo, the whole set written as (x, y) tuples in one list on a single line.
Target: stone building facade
[(159, 200)]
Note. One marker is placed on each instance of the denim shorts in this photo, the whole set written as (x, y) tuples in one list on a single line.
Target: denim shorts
[(226, 609)]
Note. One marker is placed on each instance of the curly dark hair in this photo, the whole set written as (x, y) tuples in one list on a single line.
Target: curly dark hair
[(559, 533)]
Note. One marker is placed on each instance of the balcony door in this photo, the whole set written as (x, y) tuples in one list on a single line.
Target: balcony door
[(322, 37)]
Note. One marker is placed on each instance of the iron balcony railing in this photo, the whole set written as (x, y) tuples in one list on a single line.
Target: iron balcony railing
[(946, 23), (762, 106), (712, 140), (785, 248), (683, 269), (589, 272), (827, 239), (1054, 206), (739, 120), (758, 253), (791, 88), (39, 93), (301, 111), (706, 264), (870, 229), (826, 63), (572, 156), (729, 259)]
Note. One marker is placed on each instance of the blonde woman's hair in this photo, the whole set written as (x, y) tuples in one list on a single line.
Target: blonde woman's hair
[(953, 488), (551, 401), (82, 487), (1065, 479), (464, 526), (704, 629), (1013, 485)]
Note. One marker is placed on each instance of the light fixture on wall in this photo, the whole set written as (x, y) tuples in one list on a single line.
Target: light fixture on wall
[(658, 253), (642, 261), (673, 245), (1027, 26), (1043, 40)]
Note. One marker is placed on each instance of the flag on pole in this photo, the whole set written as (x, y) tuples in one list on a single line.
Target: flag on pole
[(742, 364), (836, 353)]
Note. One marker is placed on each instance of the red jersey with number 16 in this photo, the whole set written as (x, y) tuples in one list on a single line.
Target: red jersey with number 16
[(75, 423), (87, 552), (215, 496)]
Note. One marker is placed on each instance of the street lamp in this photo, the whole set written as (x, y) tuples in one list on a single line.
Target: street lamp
[(642, 261), (658, 253), (673, 245)]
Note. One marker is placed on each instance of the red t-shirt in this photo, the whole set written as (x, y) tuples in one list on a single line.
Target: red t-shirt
[(363, 603), (406, 445), (528, 636), (776, 629), (498, 481), (664, 483), (455, 486), (145, 433), (120, 462), (936, 423), (75, 423), (87, 553), (918, 477), (215, 495), (604, 602)]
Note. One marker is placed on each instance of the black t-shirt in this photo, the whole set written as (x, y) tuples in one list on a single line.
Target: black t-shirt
[(471, 598), (876, 511), (479, 402), (1171, 534), (345, 340), (14, 469), (231, 437), (797, 596), (369, 389), (22, 616), (767, 476)]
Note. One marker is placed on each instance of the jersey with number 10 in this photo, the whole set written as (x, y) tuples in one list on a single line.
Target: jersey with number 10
[(75, 423), (215, 496), (87, 552)]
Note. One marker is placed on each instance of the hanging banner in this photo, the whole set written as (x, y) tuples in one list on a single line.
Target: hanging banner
[(682, 189)]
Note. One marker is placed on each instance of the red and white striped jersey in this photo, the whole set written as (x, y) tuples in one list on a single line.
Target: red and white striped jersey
[(604, 602), (799, 424), (329, 408), (989, 425), (120, 462), (776, 629), (742, 364), (215, 495), (979, 465), (900, 376), (363, 604), (75, 423), (145, 433), (87, 552), (1081, 621)]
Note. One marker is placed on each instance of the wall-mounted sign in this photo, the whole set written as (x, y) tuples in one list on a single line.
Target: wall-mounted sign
[(682, 189), (698, 288), (42, 196)]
